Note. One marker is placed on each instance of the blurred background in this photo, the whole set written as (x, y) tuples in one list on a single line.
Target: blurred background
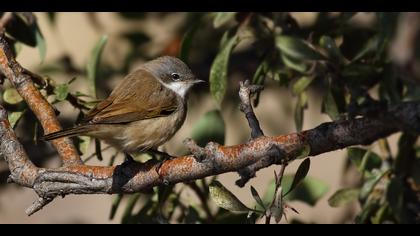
[(133, 38)]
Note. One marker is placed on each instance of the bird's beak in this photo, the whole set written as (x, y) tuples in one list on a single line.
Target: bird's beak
[(197, 81)]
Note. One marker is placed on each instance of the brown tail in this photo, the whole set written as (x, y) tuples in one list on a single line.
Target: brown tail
[(75, 131)]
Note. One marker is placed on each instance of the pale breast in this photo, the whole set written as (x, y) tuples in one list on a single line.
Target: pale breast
[(151, 133)]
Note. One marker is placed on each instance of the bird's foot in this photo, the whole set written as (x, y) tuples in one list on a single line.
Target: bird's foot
[(128, 158), (164, 156)]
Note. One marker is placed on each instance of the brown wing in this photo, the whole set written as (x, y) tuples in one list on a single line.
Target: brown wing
[(139, 96)]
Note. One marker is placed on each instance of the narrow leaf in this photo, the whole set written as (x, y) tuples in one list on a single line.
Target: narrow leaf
[(295, 64), (370, 183), (93, 63), (222, 18), (343, 196), (115, 204), (297, 48), (219, 70), (225, 199), (301, 84), (257, 197), (187, 41), (363, 159), (14, 117), (301, 173), (330, 106), (333, 51)]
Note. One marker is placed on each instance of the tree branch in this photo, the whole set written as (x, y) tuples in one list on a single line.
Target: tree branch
[(37, 103), (134, 177)]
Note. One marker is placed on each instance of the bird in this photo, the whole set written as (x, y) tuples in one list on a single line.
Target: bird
[(143, 111)]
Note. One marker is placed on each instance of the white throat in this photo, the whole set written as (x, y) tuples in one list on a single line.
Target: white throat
[(179, 88)]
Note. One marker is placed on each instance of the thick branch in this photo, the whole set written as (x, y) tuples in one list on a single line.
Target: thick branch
[(134, 177), (41, 108), (23, 171)]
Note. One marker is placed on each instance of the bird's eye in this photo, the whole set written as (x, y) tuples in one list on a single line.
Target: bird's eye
[(175, 76)]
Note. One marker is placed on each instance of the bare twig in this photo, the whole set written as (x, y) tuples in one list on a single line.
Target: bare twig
[(245, 92), (38, 205)]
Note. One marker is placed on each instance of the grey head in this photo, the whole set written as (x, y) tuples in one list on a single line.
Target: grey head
[(172, 73)]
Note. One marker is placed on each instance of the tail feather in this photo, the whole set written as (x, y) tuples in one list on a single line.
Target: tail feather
[(71, 132)]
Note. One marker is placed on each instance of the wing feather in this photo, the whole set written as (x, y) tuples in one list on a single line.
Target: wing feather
[(128, 103)]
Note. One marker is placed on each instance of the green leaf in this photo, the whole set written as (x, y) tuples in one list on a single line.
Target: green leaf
[(330, 106), (222, 18), (257, 197), (219, 70), (370, 47), (84, 142), (260, 73), (381, 214), (370, 183), (363, 159), (301, 105), (225, 199), (295, 64), (61, 92), (301, 84), (277, 210), (333, 51), (93, 63), (14, 117), (269, 192), (309, 191), (297, 48), (210, 127), (12, 96), (303, 152), (115, 204), (40, 43), (343, 196), (259, 78), (300, 175), (187, 41)]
